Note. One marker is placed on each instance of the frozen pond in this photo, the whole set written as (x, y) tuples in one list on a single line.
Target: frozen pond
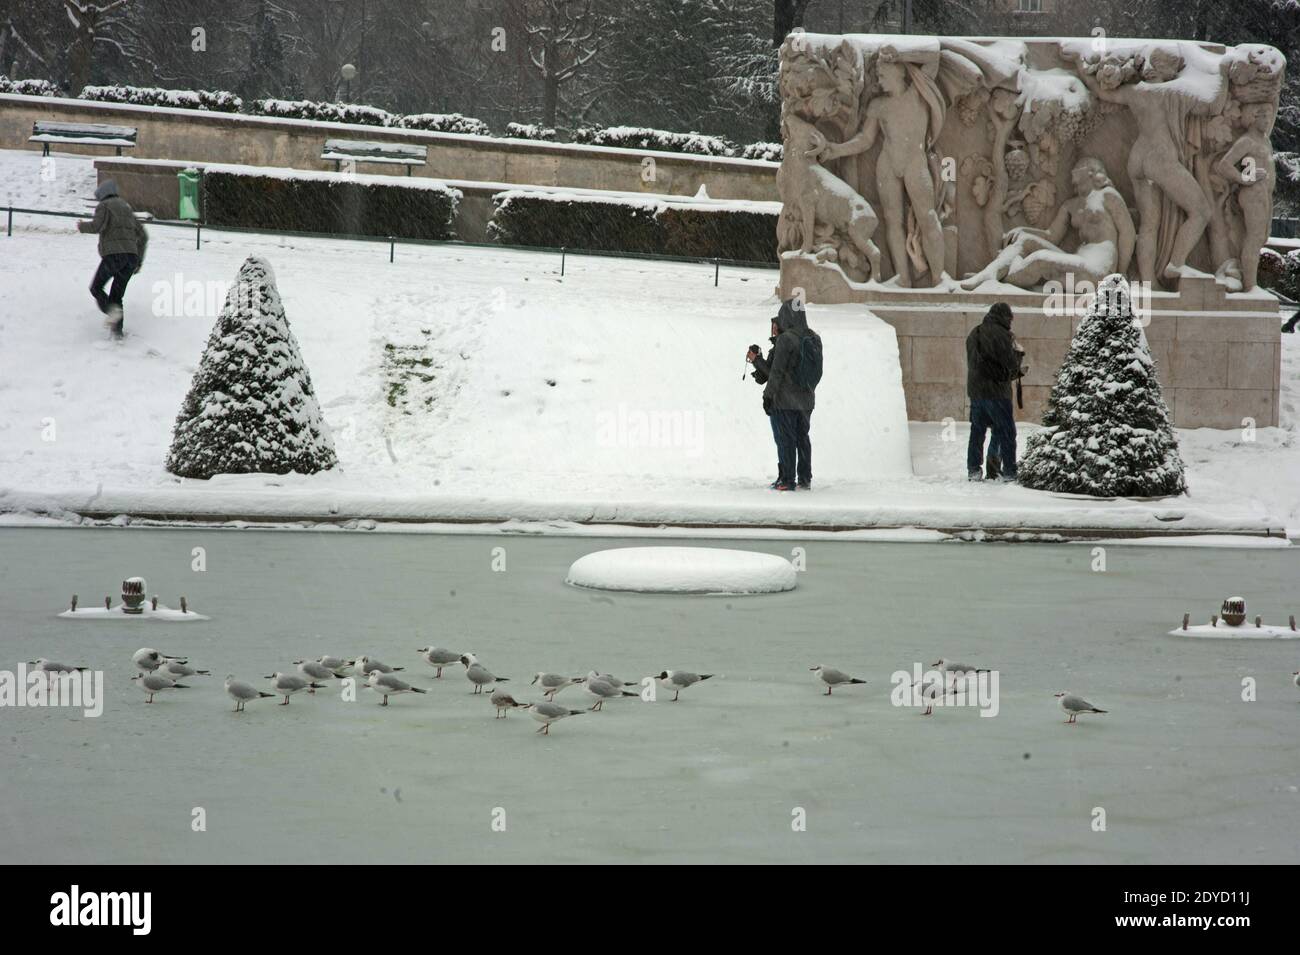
[(1185, 771)]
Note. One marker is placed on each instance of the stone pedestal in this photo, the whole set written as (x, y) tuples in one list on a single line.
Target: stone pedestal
[(1218, 354)]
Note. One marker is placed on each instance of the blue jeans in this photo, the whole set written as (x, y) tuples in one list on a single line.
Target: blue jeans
[(793, 444), (997, 415)]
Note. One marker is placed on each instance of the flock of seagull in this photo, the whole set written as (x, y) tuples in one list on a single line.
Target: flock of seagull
[(161, 673)]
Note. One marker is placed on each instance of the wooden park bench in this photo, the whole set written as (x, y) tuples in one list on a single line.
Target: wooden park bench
[(340, 151), (82, 134)]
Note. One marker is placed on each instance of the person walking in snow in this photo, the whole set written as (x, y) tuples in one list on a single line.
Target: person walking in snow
[(122, 243), (993, 362), (790, 374)]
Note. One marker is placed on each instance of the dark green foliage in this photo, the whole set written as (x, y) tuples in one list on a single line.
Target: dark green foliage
[(337, 205), (1106, 431), (639, 226)]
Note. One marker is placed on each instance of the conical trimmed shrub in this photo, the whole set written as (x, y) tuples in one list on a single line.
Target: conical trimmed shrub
[(251, 407), (1106, 431)]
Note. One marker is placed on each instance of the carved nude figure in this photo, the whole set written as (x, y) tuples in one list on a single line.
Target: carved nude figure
[(817, 197), (1249, 164), (1155, 161), (905, 120), (1098, 215)]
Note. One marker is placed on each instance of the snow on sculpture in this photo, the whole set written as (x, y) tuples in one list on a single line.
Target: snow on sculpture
[(1175, 130)]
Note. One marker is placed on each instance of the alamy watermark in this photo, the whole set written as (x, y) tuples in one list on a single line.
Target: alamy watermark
[(37, 687)]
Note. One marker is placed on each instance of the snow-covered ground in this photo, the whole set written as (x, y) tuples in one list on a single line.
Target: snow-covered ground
[(480, 385)]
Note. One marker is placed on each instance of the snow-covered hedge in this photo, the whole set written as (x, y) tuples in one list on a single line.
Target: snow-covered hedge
[(637, 137), (769, 152), (29, 87), (738, 231), (322, 112), (333, 203), (251, 407), (216, 101), (444, 123), (1281, 273), (530, 131)]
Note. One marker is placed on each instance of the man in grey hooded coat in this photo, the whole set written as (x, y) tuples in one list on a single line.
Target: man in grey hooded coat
[(787, 401), (122, 243)]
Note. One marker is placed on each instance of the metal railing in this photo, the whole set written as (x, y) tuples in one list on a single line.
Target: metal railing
[(393, 241)]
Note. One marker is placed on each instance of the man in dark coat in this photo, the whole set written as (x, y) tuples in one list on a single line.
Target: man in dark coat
[(993, 362), (787, 402), (122, 243)]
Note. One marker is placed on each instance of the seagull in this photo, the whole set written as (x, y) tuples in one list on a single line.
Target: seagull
[(833, 677), (504, 703), (1295, 678), (336, 664), (548, 713), (365, 664), (390, 685), (478, 674), (315, 670), (52, 669), (176, 670), (929, 693), (614, 681), (148, 659), (151, 683), (678, 680), (552, 683), (1074, 705), (286, 685), (241, 692), (438, 657), (600, 690)]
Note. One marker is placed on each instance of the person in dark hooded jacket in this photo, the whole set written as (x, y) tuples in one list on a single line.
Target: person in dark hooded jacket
[(993, 363), (787, 402), (122, 243)]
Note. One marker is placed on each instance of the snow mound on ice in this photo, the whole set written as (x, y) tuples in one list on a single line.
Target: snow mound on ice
[(683, 570), (1247, 631)]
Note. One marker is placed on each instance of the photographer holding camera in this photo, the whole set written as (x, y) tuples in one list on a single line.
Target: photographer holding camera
[(994, 359), (790, 374)]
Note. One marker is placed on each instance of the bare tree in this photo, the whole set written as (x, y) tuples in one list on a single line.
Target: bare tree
[(562, 42), (87, 18)]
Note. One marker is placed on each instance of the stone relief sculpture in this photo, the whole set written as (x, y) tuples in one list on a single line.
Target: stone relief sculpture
[(1098, 215), (1159, 148)]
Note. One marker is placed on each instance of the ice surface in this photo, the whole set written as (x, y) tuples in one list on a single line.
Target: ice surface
[(683, 570), (1186, 771)]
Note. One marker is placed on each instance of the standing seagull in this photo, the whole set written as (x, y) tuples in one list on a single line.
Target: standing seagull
[(147, 659), (286, 685), (52, 669), (478, 674), (833, 677), (390, 685), (548, 713), (241, 692), (613, 681), (338, 665), (929, 693), (600, 690), (151, 683), (552, 683), (178, 670), (1074, 705), (678, 680), (366, 664), (948, 666), (314, 670), (1295, 678), (504, 703), (438, 657)]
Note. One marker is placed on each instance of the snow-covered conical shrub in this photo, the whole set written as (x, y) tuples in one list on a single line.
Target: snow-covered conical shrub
[(251, 407), (1106, 430)]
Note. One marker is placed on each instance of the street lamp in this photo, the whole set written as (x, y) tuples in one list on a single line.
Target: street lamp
[(349, 73)]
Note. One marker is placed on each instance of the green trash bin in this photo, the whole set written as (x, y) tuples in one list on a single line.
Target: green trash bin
[(189, 193)]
